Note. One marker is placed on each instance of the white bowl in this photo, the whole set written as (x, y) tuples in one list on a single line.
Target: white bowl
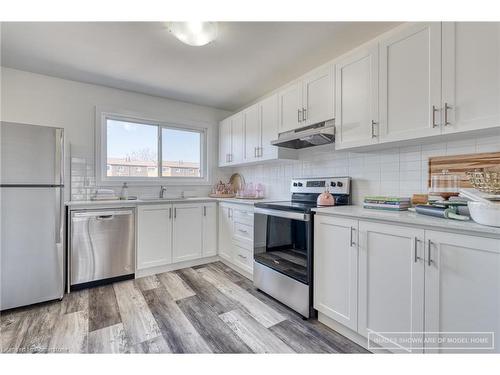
[(485, 213)]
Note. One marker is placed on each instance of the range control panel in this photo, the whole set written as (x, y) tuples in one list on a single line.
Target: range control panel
[(335, 185)]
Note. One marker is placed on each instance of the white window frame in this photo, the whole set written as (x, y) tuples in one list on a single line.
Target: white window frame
[(101, 150)]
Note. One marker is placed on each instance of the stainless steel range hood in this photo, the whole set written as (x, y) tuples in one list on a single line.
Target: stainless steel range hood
[(314, 135)]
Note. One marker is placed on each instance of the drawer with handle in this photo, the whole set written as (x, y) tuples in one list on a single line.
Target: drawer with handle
[(243, 231), (243, 257), (243, 216)]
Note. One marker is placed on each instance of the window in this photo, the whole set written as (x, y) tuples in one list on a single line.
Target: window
[(180, 150), (135, 150)]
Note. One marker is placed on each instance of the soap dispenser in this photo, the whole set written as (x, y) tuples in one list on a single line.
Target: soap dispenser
[(124, 192)]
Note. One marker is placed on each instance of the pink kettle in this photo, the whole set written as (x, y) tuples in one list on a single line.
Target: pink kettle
[(326, 199)]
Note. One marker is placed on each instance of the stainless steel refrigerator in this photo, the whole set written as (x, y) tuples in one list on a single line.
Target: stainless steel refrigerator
[(32, 214)]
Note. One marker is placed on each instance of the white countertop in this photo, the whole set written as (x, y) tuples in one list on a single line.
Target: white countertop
[(132, 203), (408, 217)]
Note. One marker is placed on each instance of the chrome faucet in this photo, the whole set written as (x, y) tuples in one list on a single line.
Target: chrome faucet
[(163, 190)]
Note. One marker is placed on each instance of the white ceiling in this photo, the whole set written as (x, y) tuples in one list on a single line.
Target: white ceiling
[(247, 60)]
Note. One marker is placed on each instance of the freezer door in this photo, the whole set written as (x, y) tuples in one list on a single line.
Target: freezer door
[(32, 255), (31, 154)]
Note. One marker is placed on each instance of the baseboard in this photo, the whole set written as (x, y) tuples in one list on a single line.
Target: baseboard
[(175, 266), (343, 330), (240, 270)]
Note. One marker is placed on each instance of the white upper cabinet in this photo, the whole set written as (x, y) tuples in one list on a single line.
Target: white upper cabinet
[(187, 232), (232, 140), (462, 287), (317, 96), (391, 282), (154, 236), (269, 127), (410, 83), (356, 77), (471, 76), (246, 137), (252, 133), (336, 269), (290, 107), (209, 232), (238, 139), (307, 101), (225, 142)]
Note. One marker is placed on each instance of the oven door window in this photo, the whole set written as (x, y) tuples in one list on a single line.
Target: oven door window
[(287, 247)]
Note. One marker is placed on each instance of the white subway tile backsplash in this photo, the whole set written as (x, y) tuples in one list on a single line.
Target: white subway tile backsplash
[(394, 171)]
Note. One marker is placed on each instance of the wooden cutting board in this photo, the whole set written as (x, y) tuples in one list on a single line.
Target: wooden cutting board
[(459, 164)]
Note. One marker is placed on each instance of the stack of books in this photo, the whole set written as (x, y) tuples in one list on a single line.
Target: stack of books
[(387, 203)]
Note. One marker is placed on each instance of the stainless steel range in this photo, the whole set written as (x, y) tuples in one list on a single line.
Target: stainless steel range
[(283, 241)]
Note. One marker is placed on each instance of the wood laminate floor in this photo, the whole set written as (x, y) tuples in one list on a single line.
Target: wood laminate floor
[(205, 309)]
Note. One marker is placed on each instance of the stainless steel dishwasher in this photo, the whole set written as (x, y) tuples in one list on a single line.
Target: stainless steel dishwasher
[(102, 247)]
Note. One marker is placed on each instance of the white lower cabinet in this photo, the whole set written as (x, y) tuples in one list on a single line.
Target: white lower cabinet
[(236, 240), (154, 235), (336, 269), (418, 290), (187, 232), (172, 233), (462, 289), (225, 231), (209, 229), (391, 283)]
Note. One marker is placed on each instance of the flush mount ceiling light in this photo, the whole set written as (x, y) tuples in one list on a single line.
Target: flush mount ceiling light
[(194, 33)]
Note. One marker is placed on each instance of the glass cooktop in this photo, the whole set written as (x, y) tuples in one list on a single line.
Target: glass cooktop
[(300, 206)]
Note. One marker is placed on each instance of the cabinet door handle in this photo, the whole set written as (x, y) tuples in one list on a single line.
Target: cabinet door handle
[(352, 237), (204, 210), (243, 231), (373, 129), (299, 117), (170, 213), (446, 108), (261, 150), (429, 260), (175, 213), (416, 257), (242, 256), (434, 110), (304, 114)]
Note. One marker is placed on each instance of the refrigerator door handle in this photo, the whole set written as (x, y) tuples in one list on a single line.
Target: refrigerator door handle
[(59, 215), (59, 158)]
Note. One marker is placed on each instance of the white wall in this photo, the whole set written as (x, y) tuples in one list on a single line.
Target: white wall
[(399, 171), (43, 100)]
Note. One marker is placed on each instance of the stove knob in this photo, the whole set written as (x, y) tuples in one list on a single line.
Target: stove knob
[(300, 184), (333, 184), (294, 184), (339, 184)]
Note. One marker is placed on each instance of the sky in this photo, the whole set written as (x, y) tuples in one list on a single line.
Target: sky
[(124, 137)]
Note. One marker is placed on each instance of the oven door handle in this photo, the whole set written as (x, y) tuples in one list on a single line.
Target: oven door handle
[(284, 214)]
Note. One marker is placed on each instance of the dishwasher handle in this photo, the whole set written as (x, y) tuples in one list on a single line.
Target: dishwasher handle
[(102, 215)]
